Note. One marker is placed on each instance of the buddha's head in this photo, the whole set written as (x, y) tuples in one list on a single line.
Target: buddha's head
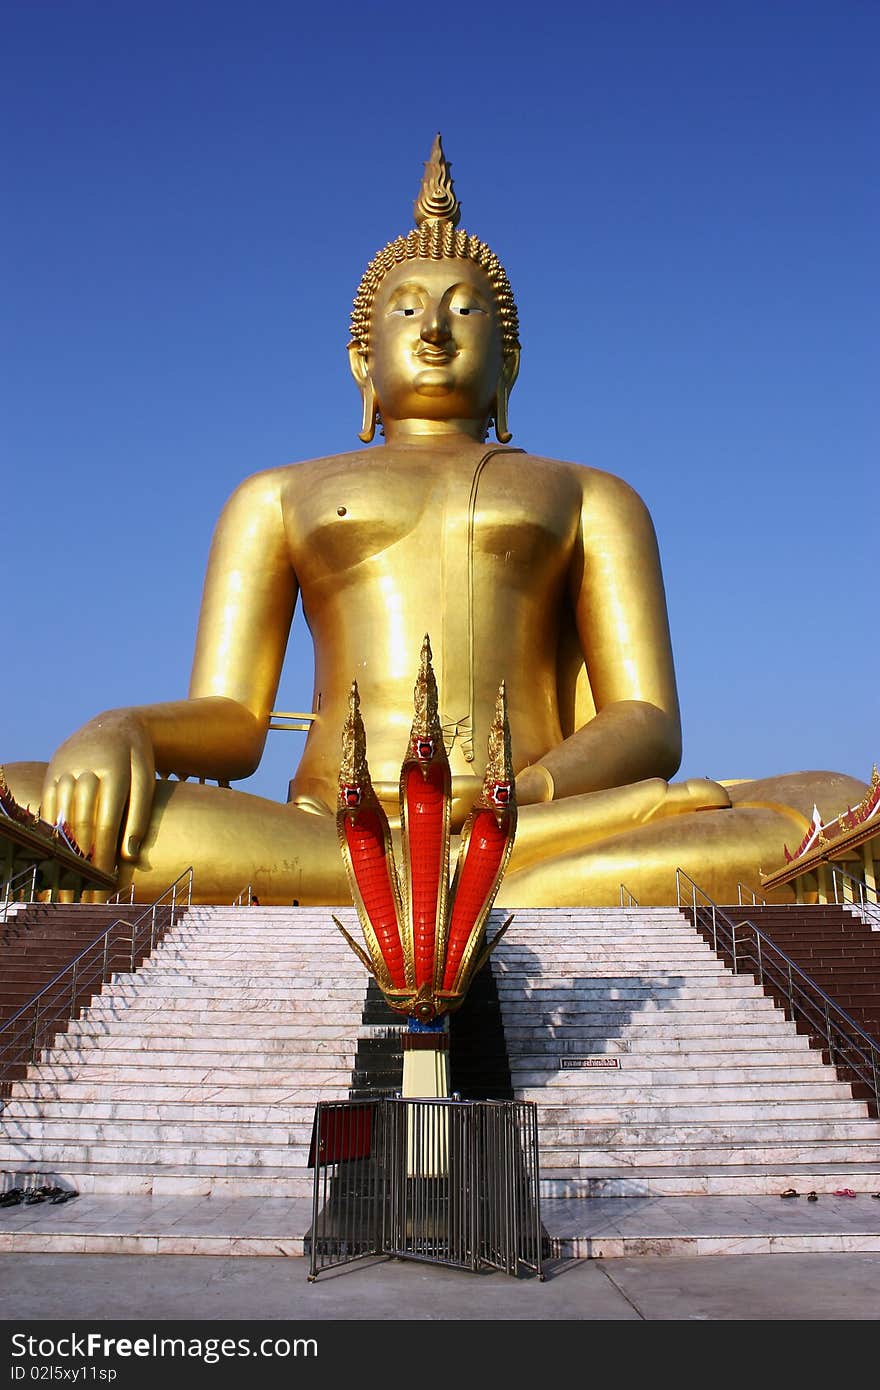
[(434, 332)]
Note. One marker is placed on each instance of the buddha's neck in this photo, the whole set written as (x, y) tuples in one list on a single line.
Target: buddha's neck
[(428, 432)]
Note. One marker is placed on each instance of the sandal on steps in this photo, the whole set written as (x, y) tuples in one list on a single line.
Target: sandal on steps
[(789, 1192)]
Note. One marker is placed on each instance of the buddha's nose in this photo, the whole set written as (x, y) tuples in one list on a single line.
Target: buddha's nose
[(435, 325)]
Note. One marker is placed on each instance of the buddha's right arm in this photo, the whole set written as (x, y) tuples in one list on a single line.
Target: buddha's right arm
[(106, 770)]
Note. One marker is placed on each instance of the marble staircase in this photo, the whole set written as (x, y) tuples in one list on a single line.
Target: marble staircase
[(198, 1074), (714, 1091)]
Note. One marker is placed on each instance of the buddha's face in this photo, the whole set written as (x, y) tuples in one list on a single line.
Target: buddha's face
[(435, 344)]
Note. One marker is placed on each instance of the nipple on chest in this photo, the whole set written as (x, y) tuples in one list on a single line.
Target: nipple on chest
[(341, 511)]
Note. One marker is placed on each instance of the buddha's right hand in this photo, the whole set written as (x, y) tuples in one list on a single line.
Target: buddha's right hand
[(102, 779)]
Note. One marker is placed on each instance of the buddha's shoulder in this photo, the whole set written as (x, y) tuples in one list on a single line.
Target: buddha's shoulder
[(268, 482), (596, 484)]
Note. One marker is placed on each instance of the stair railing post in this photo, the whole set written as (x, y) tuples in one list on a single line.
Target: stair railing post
[(760, 959), (73, 990), (104, 973), (36, 1031), (829, 1036)]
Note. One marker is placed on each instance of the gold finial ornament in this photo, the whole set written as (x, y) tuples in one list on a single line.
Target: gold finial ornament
[(499, 762), (426, 704), (353, 769), (437, 196), (436, 235)]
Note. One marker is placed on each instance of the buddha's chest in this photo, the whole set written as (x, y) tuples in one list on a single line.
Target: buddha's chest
[(398, 524)]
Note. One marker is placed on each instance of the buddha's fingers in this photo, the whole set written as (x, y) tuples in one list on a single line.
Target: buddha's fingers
[(48, 801), (85, 801), (62, 810), (140, 801), (108, 818)]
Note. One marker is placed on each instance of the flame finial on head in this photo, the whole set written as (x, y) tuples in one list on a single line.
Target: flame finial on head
[(435, 235), (437, 198)]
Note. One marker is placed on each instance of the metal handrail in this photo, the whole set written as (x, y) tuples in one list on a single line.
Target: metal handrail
[(117, 897), (24, 1035), (245, 897), (856, 885), (846, 1042), (754, 898), (626, 897), (10, 890)]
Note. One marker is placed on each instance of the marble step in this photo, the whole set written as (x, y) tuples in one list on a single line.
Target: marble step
[(225, 1135), (218, 1160), (168, 1023), (284, 986), (639, 972), (647, 1128), (554, 1118), (682, 1180), (589, 1103), (754, 1156), (204, 996), (688, 1124), (291, 1024), (252, 1110), (684, 1025), (211, 1158), (322, 1083), (596, 989), (572, 1012), (313, 1074), (256, 1005), (301, 1087), (276, 1040), (722, 1180), (93, 1058), (168, 1179), (678, 1072)]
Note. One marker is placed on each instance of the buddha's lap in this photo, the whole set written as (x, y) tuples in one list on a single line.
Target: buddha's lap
[(231, 836)]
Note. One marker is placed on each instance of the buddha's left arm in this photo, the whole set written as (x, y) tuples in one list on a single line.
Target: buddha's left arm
[(617, 594)]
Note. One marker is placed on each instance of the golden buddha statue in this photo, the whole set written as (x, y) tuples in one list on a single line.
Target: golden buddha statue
[(540, 573)]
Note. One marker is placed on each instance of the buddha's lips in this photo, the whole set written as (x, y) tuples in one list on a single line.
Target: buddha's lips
[(435, 357)]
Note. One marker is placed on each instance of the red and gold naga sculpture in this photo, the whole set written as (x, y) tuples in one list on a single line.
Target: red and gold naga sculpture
[(425, 940)]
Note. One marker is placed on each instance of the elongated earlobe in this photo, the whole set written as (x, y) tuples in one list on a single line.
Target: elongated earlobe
[(358, 365), (368, 423), (506, 379)]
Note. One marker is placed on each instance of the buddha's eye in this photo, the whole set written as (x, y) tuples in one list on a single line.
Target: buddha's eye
[(406, 311), (464, 309)]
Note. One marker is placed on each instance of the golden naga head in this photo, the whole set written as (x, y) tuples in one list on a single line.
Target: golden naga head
[(435, 237)]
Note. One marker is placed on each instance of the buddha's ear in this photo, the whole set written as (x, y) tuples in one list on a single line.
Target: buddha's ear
[(506, 378), (358, 362)]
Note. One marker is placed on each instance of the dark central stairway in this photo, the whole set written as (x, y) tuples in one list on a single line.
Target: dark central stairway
[(478, 1065)]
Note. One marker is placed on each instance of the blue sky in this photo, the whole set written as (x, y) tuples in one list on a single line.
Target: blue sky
[(685, 198)]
